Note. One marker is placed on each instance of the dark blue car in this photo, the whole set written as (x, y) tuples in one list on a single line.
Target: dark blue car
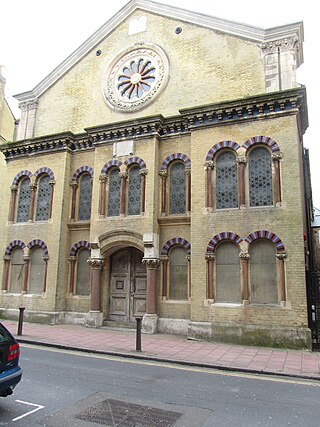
[(10, 371)]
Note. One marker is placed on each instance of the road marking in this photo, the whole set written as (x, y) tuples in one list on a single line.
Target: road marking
[(212, 371), (37, 408)]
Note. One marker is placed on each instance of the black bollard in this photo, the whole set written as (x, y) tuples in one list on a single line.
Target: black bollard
[(21, 309), (138, 333)]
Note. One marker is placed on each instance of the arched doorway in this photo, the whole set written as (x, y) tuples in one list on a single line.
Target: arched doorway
[(128, 285)]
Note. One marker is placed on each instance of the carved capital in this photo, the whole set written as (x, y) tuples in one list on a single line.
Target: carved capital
[(143, 172), (74, 185), (164, 259), (163, 173), (188, 171), (7, 258), (26, 258), (123, 174), (245, 256), (210, 257), (209, 165), (72, 259), (103, 178), (45, 258), (242, 160), (52, 183), (276, 156), (281, 45), (96, 263), (14, 188), (28, 105), (281, 256), (151, 263)]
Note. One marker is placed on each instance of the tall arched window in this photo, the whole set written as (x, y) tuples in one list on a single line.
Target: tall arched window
[(16, 271), (43, 199), (85, 196), (177, 175), (226, 181), (260, 177), (83, 273), (178, 274), (228, 287), (37, 274), (134, 191), (24, 200), (114, 192), (263, 272)]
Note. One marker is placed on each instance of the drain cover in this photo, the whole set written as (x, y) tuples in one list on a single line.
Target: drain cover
[(122, 414)]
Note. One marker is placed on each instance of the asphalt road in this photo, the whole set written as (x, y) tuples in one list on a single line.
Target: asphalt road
[(61, 388)]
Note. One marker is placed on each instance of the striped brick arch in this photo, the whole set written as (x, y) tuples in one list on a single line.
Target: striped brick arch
[(264, 234), (227, 235), (38, 242), (176, 156), (79, 171), (20, 175), (79, 245), (137, 161), (173, 242), (109, 165), (13, 245), (262, 140), (223, 144), (45, 170)]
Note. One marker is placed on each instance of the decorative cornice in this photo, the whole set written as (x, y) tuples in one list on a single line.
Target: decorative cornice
[(270, 105)]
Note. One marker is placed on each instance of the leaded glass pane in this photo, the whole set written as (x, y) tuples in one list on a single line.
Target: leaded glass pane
[(114, 193), (177, 189), (37, 272), (44, 197), (83, 273), (85, 195), (24, 201), (260, 178), (226, 181), (134, 192)]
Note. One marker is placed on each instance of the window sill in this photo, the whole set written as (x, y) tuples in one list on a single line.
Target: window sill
[(172, 220), (79, 225), (175, 301)]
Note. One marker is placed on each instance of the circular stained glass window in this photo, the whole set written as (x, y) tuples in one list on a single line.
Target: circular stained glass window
[(135, 78)]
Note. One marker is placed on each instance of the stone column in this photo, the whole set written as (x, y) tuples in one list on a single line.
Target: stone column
[(143, 174), (242, 161), (33, 187), (189, 275), (95, 316), (150, 319), (276, 157), (209, 166), (210, 258), (164, 262), (281, 278), (12, 210), (74, 186), (103, 193), (28, 117), (72, 260), (45, 259), (52, 184), (26, 267), (5, 274), (123, 192), (244, 257), (188, 195), (163, 174)]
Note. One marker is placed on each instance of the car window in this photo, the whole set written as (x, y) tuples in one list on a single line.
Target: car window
[(4, 336)]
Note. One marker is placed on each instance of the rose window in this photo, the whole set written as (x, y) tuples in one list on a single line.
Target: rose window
[(134, 80)]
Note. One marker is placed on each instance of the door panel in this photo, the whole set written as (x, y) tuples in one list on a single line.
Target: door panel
[(128, 286)]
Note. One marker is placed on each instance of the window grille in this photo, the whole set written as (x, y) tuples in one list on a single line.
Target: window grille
[(134, 192), (260, 178), (85, 195), (177, 188), (44, 198), (226, 181), (114, 193), (24, 201)]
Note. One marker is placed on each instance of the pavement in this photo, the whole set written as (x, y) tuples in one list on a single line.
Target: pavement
[(172, 349)]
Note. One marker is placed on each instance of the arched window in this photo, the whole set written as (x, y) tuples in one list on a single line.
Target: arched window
[(226, 181), (263, 272), (16, 271), (260, 177), (134, 191), (177, 199), (178, 274), (43, 199), (83, 273), (37, 276), (114, 192), (228, 287), (85, 195), (24, 200)]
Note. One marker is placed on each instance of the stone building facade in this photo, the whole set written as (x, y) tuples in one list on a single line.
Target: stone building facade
[(158, 172)]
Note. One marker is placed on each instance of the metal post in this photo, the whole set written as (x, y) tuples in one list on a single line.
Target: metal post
[(21, 309), (138, 334)]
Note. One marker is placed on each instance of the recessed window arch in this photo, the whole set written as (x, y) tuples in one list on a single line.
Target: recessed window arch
[(24, 200), (114, 186), (260, 177), (134, 190), (81, 185), (228, 288), (226, 180), (44, 198), (82, 285)]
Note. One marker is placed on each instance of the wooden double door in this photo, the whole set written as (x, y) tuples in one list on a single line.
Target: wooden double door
[(128, 286)]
